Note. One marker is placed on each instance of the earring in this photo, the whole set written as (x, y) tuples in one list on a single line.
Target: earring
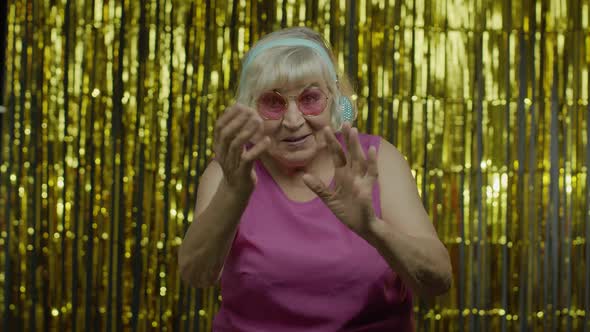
[(346, 109)]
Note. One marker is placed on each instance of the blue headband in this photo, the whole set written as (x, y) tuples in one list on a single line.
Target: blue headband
[(290, 42)]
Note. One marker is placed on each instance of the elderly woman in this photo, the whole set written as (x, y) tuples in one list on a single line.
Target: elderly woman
[(309, 224)]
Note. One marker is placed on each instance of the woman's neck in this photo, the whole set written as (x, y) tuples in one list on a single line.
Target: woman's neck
[(322, 163)]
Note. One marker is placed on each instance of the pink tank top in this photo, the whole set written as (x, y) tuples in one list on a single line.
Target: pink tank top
[(295, 267)]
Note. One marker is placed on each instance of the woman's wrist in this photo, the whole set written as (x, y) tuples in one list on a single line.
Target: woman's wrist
[(375, 232), (237, 194)]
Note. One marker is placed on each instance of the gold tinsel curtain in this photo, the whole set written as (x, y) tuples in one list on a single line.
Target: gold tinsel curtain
[(109, 110)]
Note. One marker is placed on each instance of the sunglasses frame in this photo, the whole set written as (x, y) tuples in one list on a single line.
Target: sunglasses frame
[(286, 103)]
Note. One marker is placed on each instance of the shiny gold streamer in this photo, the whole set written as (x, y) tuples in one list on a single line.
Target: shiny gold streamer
[(109, 113)]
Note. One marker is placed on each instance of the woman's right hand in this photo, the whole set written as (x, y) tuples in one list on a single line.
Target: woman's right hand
[(233, 130)]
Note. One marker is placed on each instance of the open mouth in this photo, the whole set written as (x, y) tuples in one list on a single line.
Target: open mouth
[(297, 139)]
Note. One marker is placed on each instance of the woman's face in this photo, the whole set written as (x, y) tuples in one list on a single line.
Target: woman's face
[(295, 137)]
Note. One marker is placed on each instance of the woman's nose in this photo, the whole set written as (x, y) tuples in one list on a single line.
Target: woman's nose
[(292, 119)]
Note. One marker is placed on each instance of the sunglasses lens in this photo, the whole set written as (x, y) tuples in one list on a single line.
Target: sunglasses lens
[(312, 101), (271, 105)]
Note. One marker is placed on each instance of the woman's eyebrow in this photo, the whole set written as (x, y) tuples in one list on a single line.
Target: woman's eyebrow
[(299, 88), (314, 84)]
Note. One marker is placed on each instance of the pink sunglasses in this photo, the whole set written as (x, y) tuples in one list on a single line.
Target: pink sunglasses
[(272, 105)]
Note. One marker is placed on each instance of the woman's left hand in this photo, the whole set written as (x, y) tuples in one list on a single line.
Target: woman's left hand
[(351, 198)]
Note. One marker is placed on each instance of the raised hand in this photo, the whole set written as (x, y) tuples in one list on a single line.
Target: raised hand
[(233, 130), (351, 198)]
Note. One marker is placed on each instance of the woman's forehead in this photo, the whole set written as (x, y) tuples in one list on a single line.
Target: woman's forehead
[(294, 85), (300, 85)]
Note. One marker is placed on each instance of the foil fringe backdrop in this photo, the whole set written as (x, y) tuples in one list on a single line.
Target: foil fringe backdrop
[(110, 110)]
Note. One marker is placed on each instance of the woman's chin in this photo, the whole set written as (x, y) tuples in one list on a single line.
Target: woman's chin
[(294, 161)]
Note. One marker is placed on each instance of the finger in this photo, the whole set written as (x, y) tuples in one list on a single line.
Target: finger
[(320, 138), (236, 147), (253, 176), (338, 154), (230, 115), (225, 118), (346, 133), (372, 167), (253, 153), (230, 130), (259, 134), (318, 187), (357, 156), (342, 179), (250, 128), (220, 123), (346, 128)]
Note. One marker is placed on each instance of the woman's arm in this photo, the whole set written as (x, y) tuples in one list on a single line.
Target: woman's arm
[(405, 236), (209, 237), (222, 196)]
